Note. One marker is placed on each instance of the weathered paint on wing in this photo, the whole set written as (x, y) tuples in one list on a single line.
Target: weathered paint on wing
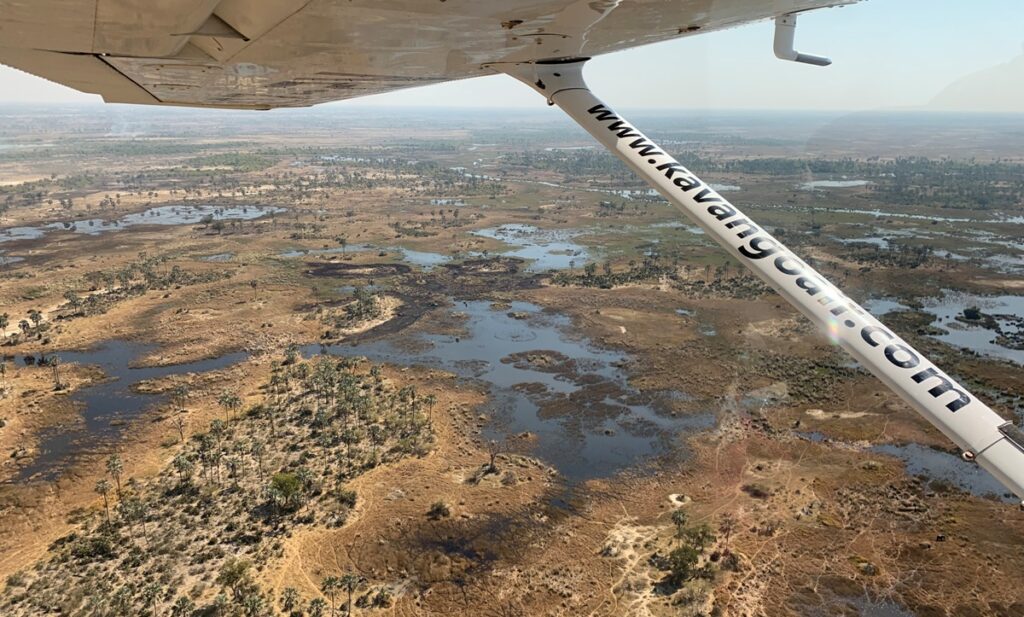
[(285, 53)]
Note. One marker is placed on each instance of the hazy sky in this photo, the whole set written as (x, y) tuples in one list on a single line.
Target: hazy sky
[(944, 54)]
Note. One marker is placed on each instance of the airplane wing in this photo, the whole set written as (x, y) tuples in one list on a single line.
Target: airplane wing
[(262, 54)]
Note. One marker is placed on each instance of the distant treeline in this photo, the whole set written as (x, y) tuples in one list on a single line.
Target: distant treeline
[(918, 181)]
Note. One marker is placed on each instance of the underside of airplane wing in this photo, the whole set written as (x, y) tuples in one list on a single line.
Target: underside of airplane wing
[(262, 54)]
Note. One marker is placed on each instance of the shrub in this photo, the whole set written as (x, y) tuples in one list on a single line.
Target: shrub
[(439, 510)]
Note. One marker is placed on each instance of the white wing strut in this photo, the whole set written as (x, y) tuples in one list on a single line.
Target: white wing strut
[(981, 433)]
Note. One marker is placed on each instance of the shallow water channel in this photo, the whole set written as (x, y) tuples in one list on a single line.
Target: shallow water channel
[(562, 389), (162, 215), (1007, 312), (545, 249), (109, 405)]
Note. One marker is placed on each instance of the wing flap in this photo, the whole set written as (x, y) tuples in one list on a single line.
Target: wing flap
[(83, 72)]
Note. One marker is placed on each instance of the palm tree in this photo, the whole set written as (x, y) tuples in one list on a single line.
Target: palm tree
[(115, 468), (180, 395), (102, 488), (134, 509), (230, 402), (184, 466), (258, 449), (54, 362), (351, 582), (289, 600), (430, 400), (316, 607), (329, 587), (217, 430), (377, 438), (149, 595)]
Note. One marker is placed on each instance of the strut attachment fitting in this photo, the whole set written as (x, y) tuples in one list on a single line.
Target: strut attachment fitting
[(785, 33)]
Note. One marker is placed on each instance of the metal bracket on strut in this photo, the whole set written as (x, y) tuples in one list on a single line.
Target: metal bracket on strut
[(785, 34), (1013, 433)]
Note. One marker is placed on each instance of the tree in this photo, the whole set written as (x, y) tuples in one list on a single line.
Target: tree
[(680, 520), (494, 448), (54, 362), (329, 587), (218, 429), (286, 489), (73, 300), (183, 607), (430, 400), (700, 537), (179, 424), (149, 595), (235, 576), (133, 510), (180, 396), (184, 466), (115, 467), (316, 607), (351, 582), (253, 605), (103, 488), (727, 526), (377, 438), (682, 565), (230, 402), (289, 600), (258, 449)]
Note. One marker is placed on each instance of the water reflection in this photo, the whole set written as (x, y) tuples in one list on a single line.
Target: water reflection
[(570, 394), (108, 405)]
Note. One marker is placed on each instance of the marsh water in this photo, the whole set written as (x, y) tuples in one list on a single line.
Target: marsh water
[(560, 388), (107, 406), (568, 394), (161, 215), (1007, 312), (545, 249), (946, 467)]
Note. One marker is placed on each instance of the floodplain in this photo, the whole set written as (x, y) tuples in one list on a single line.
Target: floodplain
[(358, 361)]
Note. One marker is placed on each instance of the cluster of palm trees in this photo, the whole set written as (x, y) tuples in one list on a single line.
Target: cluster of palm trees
[(34, 324), (131, 507), (365, 307), (135, 278), (230, 492), (333, 584), (651, 267)]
